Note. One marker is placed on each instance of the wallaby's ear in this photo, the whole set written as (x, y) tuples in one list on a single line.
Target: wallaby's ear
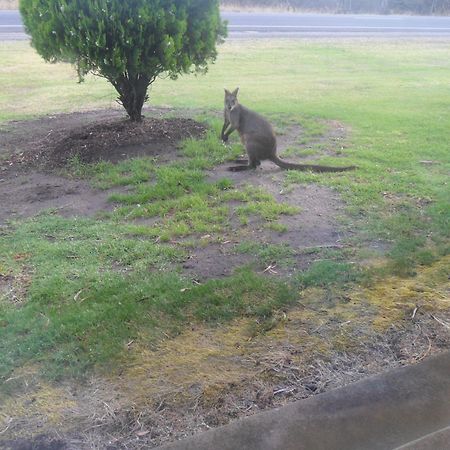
[(235, 92), (227, 92)]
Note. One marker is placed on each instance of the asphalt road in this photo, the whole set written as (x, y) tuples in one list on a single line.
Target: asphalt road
[(301, 25), (244, 25)]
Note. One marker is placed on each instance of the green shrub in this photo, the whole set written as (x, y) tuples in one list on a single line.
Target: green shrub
[(129, 43)]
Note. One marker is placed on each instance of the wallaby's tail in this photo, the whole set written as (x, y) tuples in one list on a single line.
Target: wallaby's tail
[(315, 168)]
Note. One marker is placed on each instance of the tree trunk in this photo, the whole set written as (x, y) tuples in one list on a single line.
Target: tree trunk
[(132, 94)]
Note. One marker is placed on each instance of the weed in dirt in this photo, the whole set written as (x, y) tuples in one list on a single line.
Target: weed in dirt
[(281, 254)]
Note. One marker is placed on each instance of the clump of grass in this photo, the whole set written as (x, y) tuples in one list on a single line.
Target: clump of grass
[(266, 254), (327, 273), (277, 227), (105, 175), (210, 151), (268, 209)]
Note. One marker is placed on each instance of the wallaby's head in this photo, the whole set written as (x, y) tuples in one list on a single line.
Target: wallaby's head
[(231, 99)]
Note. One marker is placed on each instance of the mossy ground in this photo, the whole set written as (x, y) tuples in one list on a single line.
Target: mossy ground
[(208, 375)]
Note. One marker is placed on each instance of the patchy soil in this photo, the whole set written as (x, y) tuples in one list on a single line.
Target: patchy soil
[(52, 141), (25, 195), (315, 226), (206, 376), (292, 143), (32, 152)]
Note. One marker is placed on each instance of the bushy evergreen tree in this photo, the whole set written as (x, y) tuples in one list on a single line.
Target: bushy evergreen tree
[(129, 42)]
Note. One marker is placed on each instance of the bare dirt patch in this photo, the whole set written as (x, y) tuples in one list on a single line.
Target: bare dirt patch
[(53, 141), (32, 152), (315, 226), (27, 194)]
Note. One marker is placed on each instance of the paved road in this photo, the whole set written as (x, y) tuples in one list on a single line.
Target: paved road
[(243, 25), (261, 24), (11, 26)]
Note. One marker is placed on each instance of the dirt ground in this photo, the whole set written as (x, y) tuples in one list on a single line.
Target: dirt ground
[(207, 376), (32, 152)]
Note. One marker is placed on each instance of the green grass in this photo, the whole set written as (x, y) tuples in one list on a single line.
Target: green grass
[(105, 175), (94, 285), (94, 288), (85, 284), (281, 254), (97, 284), (179, 197), (330, 273)]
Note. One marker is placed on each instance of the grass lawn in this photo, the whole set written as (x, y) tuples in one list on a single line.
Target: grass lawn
[(86, 288)]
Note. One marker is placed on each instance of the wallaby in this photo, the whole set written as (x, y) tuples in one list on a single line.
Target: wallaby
[(258, 138)]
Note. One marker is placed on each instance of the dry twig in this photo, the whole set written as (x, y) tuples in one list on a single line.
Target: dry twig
[(270, 268), (7, 426), (442, 322)]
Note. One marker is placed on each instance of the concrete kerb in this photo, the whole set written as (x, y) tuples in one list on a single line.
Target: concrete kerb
[(439, 440), (381, 412)]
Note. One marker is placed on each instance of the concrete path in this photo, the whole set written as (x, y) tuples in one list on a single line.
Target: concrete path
[(407, 407)]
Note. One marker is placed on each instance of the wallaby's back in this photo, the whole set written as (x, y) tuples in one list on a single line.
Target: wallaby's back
[(256, 132)]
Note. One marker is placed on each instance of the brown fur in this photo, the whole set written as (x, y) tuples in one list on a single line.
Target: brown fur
[(258, 138)]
